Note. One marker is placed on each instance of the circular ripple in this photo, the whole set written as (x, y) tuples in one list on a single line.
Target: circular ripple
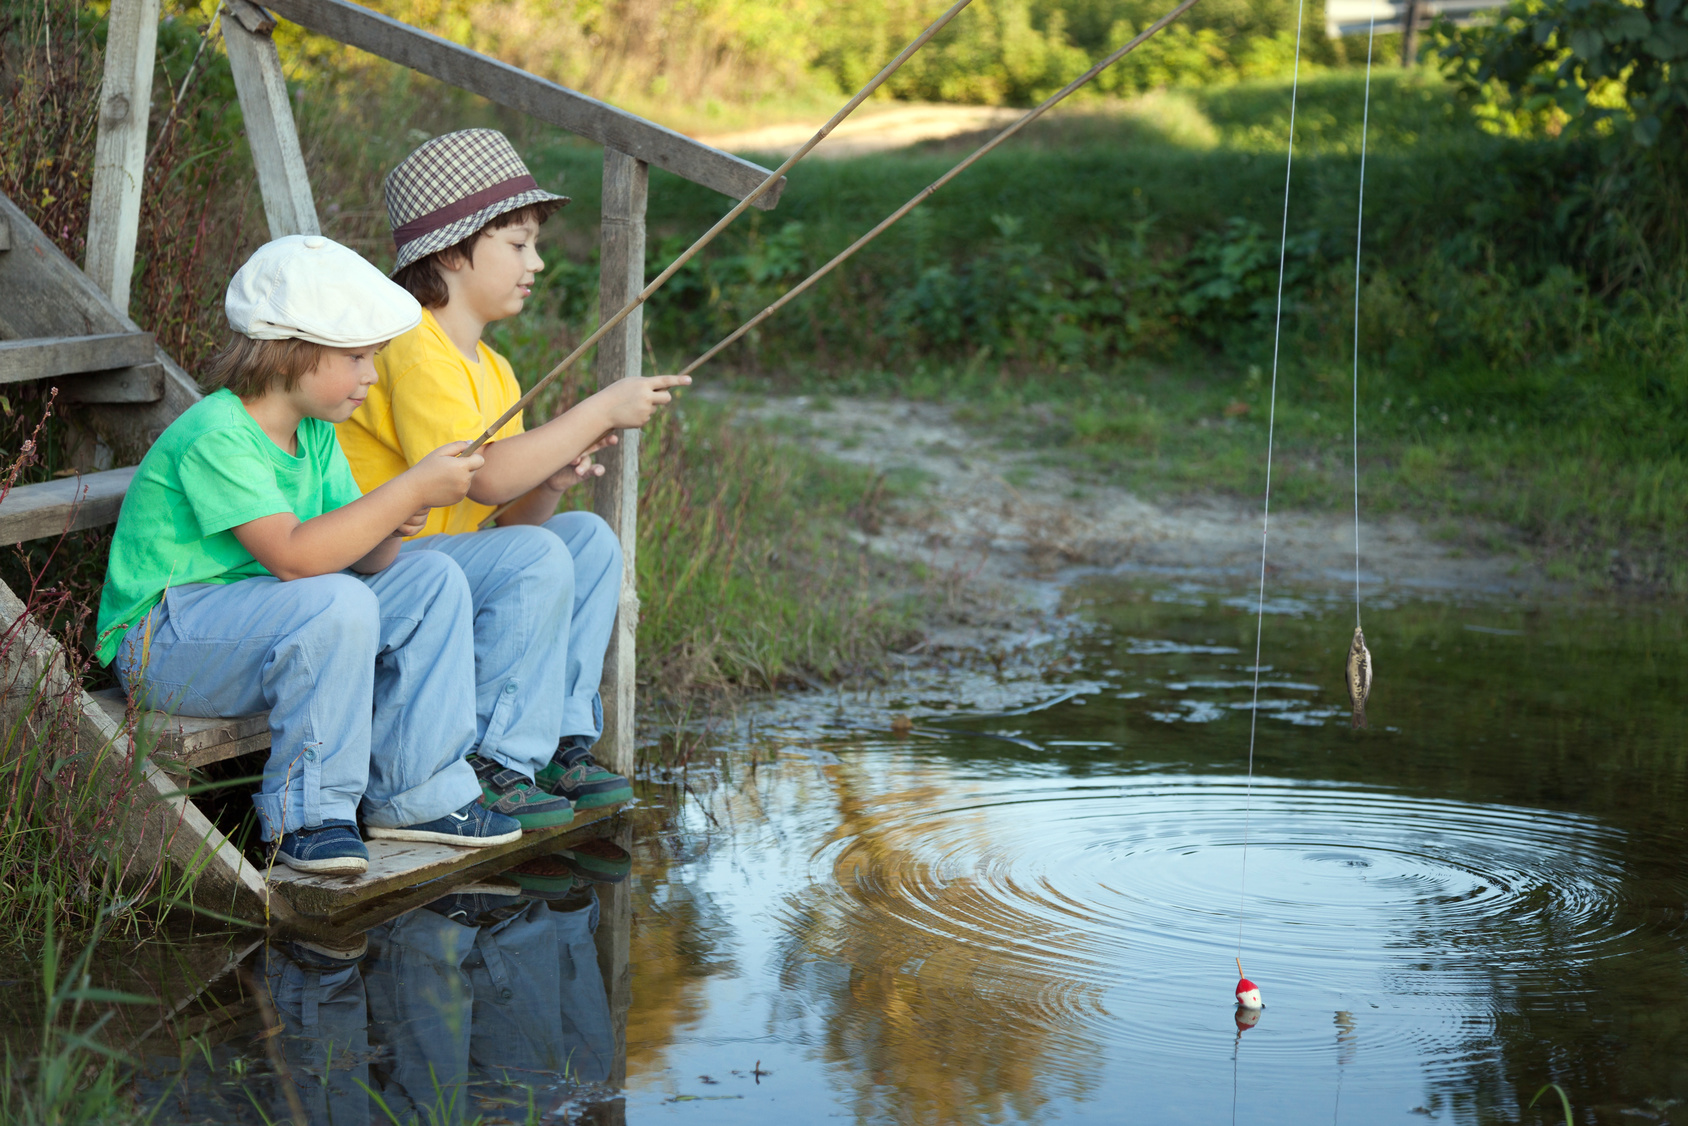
[(1110, 909)]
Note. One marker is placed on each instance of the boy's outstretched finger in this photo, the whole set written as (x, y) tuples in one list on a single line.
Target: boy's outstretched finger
[(663, 382)]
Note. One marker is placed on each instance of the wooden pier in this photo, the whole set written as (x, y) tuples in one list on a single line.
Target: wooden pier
[(71, 326)]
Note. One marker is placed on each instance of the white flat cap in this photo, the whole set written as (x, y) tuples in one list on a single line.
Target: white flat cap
[(308, 287)]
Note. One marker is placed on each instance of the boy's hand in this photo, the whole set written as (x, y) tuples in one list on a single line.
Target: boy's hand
[(442, 478), (582, 468), (414, 525), (632, 401)]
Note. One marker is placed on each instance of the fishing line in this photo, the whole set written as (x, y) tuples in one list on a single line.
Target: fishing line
[(1266, 505), (1029, 117), (708, 236), (1359, 229)]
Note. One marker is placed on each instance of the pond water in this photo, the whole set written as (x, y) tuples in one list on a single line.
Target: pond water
[(1026, 908)]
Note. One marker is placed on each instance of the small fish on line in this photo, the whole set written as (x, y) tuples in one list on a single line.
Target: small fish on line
[(1359, 676)]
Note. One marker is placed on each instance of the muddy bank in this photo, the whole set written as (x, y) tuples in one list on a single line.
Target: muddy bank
[(1000, 534)]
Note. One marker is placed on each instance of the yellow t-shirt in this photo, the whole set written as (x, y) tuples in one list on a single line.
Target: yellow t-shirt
[(429, 394)]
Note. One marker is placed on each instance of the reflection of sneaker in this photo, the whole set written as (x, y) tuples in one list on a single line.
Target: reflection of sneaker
[(543, 877), (473, 826), (509, 792), (602, 861), (333, 847), (575, 774), (478, 908), (325, 955)]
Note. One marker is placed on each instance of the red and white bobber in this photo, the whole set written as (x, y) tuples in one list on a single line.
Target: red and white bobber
[(1248, 993)]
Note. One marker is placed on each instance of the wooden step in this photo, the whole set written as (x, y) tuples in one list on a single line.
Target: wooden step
[(48, 356), (29, 512), (399, 869), (190, 741)]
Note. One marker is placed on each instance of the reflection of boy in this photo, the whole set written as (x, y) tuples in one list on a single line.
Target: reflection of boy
[(466, 213), (491, 990), (247, 573)]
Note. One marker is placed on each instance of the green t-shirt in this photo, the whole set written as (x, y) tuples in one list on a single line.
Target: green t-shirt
[(213, 469)]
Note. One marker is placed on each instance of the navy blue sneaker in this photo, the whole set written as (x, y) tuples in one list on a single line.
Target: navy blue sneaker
[(332, 847), (473, 826)]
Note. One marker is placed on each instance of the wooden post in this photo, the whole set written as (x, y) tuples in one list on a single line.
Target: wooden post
[(120, 147), (615, 960), (621, 275), (1409, 33), (270, 132)]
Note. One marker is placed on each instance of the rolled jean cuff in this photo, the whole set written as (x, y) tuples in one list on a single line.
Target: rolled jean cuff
[(583, 715), (446, 792), (286, 812)]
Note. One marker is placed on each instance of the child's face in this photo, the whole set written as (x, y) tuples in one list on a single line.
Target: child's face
[(498, 281), (338, 385)]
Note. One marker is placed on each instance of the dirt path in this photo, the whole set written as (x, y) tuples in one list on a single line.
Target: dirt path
[(1008, 549), (870, 129)]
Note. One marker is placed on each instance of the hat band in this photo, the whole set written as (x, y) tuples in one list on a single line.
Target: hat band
[(462, 209)]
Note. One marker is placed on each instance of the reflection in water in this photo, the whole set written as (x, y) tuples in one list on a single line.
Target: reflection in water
[(1023, 910), (487, 1004)]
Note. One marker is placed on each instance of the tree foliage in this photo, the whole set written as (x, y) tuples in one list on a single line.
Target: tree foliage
[(1600, 67)]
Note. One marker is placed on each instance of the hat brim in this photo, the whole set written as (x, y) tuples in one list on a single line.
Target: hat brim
[(453, 233)]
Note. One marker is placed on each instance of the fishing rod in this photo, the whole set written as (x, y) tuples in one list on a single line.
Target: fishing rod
[(862, 95), (1029, 117)]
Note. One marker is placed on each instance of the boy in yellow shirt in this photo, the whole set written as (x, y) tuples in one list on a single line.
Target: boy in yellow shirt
[(465, 214)]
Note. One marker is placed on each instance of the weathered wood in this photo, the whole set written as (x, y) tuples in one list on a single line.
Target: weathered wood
[(120, 147), (35, 683), (143, 383), (270, 132), (516, 88), (5, 235), (188, 741), (395, 866), (614, 940), (29, 512), (45, 357), (42, 293), (621, 275)]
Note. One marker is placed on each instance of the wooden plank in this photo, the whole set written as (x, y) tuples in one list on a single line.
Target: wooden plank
[(396, 866), (186, 740), (615, 495), (45, 357), (5, 235), (42, 293), (161, 821), (120, 148), (510, 86), (71, 503), (268, 116), (143, 383)]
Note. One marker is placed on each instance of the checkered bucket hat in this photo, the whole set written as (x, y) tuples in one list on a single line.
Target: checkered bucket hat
[(451, 187)]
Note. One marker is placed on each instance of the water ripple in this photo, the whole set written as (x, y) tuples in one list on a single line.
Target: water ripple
[(1079, 905)]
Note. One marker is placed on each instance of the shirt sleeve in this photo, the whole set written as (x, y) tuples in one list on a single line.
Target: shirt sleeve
[(432, 406), (227, 482)]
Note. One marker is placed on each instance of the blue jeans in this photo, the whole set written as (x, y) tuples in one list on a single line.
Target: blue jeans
[(545, 598), (501, 1005), (344, 663)]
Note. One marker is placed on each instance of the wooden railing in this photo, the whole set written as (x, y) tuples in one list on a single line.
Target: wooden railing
[(631, 145)]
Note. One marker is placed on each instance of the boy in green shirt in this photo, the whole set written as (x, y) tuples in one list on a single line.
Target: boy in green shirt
[(248, 572)]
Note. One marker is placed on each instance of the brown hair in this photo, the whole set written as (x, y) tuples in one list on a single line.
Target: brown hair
[(423, 277), (251, 367)]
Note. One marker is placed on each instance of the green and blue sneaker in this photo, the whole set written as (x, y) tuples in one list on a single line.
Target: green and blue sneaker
[(509, 792), (574, 774), (543, 877), (600, 861)]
